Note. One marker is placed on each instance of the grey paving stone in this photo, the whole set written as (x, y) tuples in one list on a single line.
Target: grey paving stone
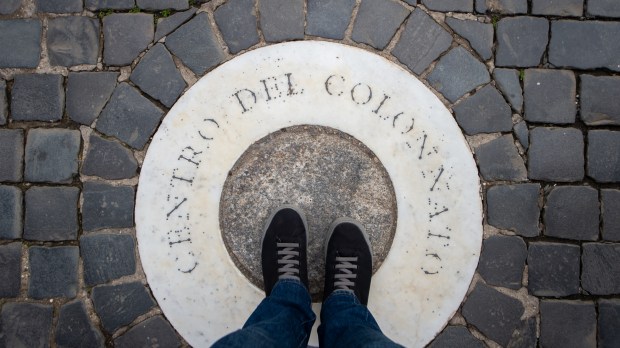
[(525, 336), (73, 40), (4, 106), (125, 35), (507, 81), (572, 212), (328, 18), (521, 41), (457, 73), (603, 155), (449, 5), (502, 6), (25, 325), (599, 102), (119, 305), (167, 25), (87, 93), (24, 38), (151, 5), (10, 212), (412, 2), (479, 35), (523, 134), (74, 328), (421, 42), (7, 7), (37, 97), (12, 154), (484, 112), (237, 23), (281, 20), (107, 206), (51, 213), (601, 268), (610, 206), (456, 336), (10, 269), (109, 4), (107, 257), (499, 160), (52, 155), (153, 331), (553, 269), (556, 154), (59, 6), (196, 45), (158, 76), (604, 8), (585, 45), (563, 8), (608, 319), (109, 160), (502, 261), (129, 117), (567, 324), (496, 315), (53, 272), (515, 208), (550, 96), (377, 22)]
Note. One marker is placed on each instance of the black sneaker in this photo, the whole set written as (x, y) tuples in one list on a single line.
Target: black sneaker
[(284, 247), (348, 260)]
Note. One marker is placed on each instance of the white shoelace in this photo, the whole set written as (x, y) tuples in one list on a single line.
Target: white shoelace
[(290, 260), (345, 275)]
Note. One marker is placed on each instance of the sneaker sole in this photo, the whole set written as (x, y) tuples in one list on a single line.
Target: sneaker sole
[(285, 206), (337, 222)]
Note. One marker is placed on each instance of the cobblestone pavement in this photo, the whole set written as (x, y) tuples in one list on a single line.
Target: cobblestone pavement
[(534, 85)]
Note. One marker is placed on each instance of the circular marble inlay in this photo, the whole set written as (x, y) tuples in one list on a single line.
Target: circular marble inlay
[(436, 244), (327, 174)]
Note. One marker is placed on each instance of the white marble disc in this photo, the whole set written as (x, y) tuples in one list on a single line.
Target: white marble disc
[(439, 228)]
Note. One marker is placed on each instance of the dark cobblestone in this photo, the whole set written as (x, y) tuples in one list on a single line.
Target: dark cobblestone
[(74, 328), (507, 81), (603, 155), (449, 5), (479, 35), (59, 6), (525, 335), (10, 270), (4, 106), (502, 261), (329, 18), (158, 76), (599, 102), (572, 212), (107, 206), (422, 41), (377, 22), (523, 134), (7, 7), (125, 35), (499, 160), (73, 40), (558, 8), (521, 41), (567, 324), (10, 212), (156, 5), (51, 213), (281, 20), (608, 319), (109, 160), (25, 325), (515, 208), (237, 22), (502, 6), (610, 201), (553, 269), (601, 269), (87, 93), (155, 331), (456, 336), (604, 8), (556, 154), (167, 25), (484, 112), (109, 4), (550, 96), (52, 155), (119, 305), (37, 97), (107, 257), (53, 272), (12, 154), (23, 36)]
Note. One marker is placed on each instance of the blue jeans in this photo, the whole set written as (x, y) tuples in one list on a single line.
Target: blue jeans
[(285, 319)]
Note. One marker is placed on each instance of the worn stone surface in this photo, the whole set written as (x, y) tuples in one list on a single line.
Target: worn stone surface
[(377, 21), (154, 5), (196, 45), (553, 269), (585, 45), (572, 212), (556, 154), (610, 206), (10, 269), (499, 160), (484, 112), (281, 20), (237, 23), (328, 18), (457, 73), (25, 325), (603, 155), (59, 6), (167, 25), (158, 76), (558, 7), (550, 96), (51, 213), (12, 154), (52, 155), (604, 8), (521, 41), (507, 81), (479, 35), (74, 328), (523, 134), (129, 116), (4, 106), (155, 331), (87, 93), (599, 102), (24, 37), (107, 257), (515, 208), (53, 272), (502, 261), (601, 268), (567, 324), (119, 305), (107, 206), (7, 7), (73, 40), (109, 4), (496, 315), (502, 6), (108, 159), (456, 336), (449, 5), (608, 319), (125, 35), (525, 336), (10, 212), (37, 97)]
